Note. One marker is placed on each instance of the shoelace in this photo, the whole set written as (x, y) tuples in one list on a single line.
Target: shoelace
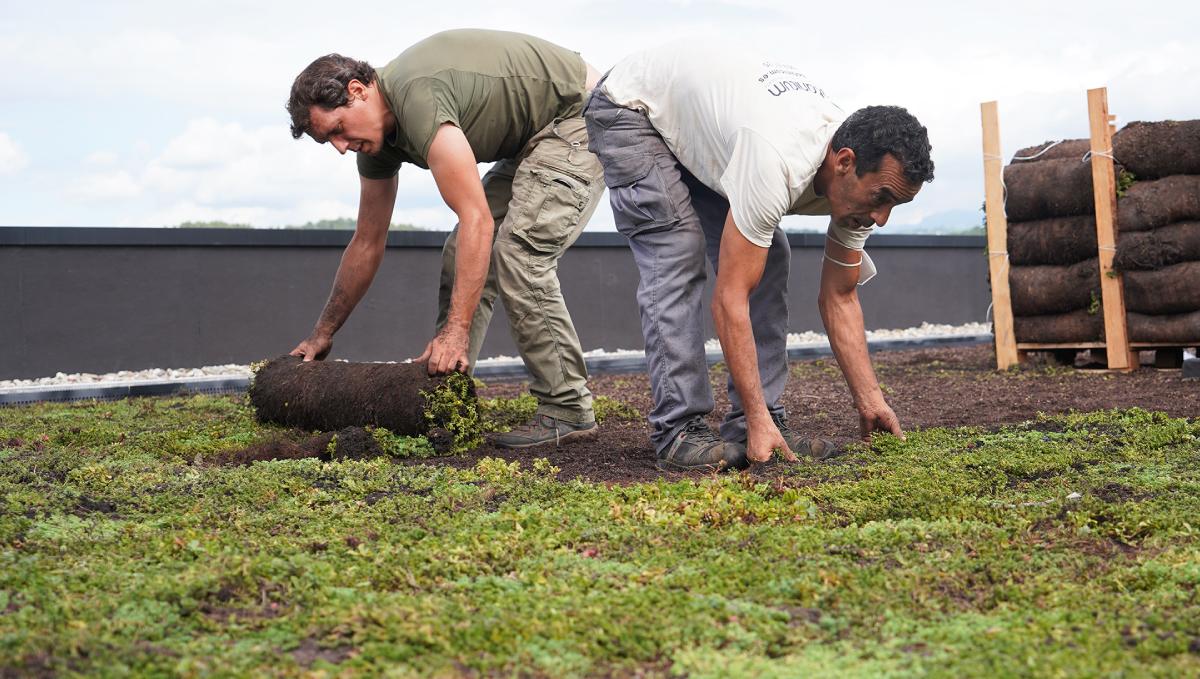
[(543, 421), (701, 431), (780, 423)]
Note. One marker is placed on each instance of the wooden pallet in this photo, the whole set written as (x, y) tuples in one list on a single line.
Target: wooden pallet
[(1121, 354)]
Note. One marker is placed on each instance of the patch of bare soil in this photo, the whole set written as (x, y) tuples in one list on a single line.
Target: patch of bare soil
[(311, 651), (942, 387), (349, 443)]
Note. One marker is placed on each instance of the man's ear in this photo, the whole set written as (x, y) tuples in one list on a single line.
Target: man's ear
[(356, 89), (844, 161)]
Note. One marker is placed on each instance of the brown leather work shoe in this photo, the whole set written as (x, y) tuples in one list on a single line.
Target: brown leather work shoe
[(698, 448), (811, 447), (544, 429)]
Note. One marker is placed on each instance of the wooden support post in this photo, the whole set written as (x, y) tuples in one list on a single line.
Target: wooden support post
[(1104, 188), (997, 238)]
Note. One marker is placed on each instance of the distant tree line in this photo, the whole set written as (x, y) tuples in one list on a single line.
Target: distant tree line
[(341, 223)]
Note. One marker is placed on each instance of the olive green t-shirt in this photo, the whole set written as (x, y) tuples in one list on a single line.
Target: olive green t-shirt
[(499, 88)]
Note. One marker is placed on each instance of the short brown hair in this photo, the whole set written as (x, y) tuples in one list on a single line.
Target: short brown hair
[(323, 83)]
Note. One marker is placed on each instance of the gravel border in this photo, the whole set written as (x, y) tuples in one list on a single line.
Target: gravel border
[(236, 378)]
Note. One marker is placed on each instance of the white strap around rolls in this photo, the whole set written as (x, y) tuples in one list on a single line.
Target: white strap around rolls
[(853, 239)]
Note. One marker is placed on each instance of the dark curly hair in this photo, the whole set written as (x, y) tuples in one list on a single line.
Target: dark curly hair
[(323, 83), (874, 131)]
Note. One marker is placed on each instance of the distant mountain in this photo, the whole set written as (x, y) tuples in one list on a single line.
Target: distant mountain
[(347, 223), (950, 222)]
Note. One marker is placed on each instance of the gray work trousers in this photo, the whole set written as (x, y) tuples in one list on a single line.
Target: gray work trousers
[(672, 221)]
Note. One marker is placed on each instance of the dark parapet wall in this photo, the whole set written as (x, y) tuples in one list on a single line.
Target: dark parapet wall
[(102, 300)]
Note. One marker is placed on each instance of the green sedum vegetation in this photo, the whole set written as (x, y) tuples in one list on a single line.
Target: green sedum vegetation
[(452, 406), (1064, 547)]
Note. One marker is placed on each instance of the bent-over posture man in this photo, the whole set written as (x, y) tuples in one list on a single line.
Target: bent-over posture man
[(704, 151), (451, 101)]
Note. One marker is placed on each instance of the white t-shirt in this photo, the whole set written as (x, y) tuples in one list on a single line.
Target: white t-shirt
[(753, 130)]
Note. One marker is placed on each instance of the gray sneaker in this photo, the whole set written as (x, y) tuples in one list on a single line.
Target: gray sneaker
[(698, 447), (544, 429), (812, 448)]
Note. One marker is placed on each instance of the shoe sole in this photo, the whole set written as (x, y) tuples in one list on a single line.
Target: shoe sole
[(668, 466), (565, 438)]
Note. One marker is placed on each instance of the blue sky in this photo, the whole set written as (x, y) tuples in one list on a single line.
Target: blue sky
[(151, 113)]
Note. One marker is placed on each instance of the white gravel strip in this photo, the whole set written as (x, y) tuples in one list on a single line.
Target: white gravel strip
[(131, 376), (925, 330)]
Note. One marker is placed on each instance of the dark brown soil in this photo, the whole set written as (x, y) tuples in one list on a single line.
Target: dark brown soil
[(310, 651), (1168, 329), (330, 395), (1059, 240), (1173, 244), (945, 387), (1073, 149), (1152, 204), (1159, 149), (1068, 240), (1164, 246), (1048, 289), (1073, 326), (1080, 326), (353, 443), (1050, 188), (1054, 289), (1172, 289)]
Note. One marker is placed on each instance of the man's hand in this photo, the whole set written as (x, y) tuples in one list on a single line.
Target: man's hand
[(446, 353), (879, 417), (315, 348), (764, 439)]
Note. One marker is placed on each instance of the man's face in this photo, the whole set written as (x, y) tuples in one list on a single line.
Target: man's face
[(857, 202), (357, 126)]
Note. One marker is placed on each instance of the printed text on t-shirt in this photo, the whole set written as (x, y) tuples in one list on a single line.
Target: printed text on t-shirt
[(781, 78)]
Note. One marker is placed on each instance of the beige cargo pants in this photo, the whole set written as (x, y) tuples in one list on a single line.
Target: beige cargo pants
[(540, 201)]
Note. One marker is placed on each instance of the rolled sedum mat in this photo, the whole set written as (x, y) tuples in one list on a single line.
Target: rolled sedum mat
[(331, 395)]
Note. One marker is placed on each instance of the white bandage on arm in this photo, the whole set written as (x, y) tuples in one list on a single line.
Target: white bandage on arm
[(853, 239)]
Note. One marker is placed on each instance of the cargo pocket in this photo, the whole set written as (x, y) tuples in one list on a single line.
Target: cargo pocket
[(553, 206), (638, 192)]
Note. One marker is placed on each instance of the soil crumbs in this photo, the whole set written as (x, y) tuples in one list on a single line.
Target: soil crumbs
[(943, 387)]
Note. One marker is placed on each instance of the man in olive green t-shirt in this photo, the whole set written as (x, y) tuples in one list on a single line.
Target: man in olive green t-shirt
[(451, 101)]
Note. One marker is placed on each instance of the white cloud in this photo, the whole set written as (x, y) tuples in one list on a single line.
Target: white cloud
[(101, 158), (202, 132), (13, 158), (105, 186), (215, 170)]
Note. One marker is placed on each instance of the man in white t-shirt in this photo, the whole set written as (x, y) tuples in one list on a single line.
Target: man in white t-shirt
[(704, 151)]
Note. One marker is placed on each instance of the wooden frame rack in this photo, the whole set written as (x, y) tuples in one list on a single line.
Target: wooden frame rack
[(1122, 355)]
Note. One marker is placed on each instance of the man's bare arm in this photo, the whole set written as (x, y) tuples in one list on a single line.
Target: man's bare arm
[(742, 264), (455, 170), (359, 264), (842, 315)]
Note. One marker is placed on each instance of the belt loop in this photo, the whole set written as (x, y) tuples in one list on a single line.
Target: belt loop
[(573, 144)]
